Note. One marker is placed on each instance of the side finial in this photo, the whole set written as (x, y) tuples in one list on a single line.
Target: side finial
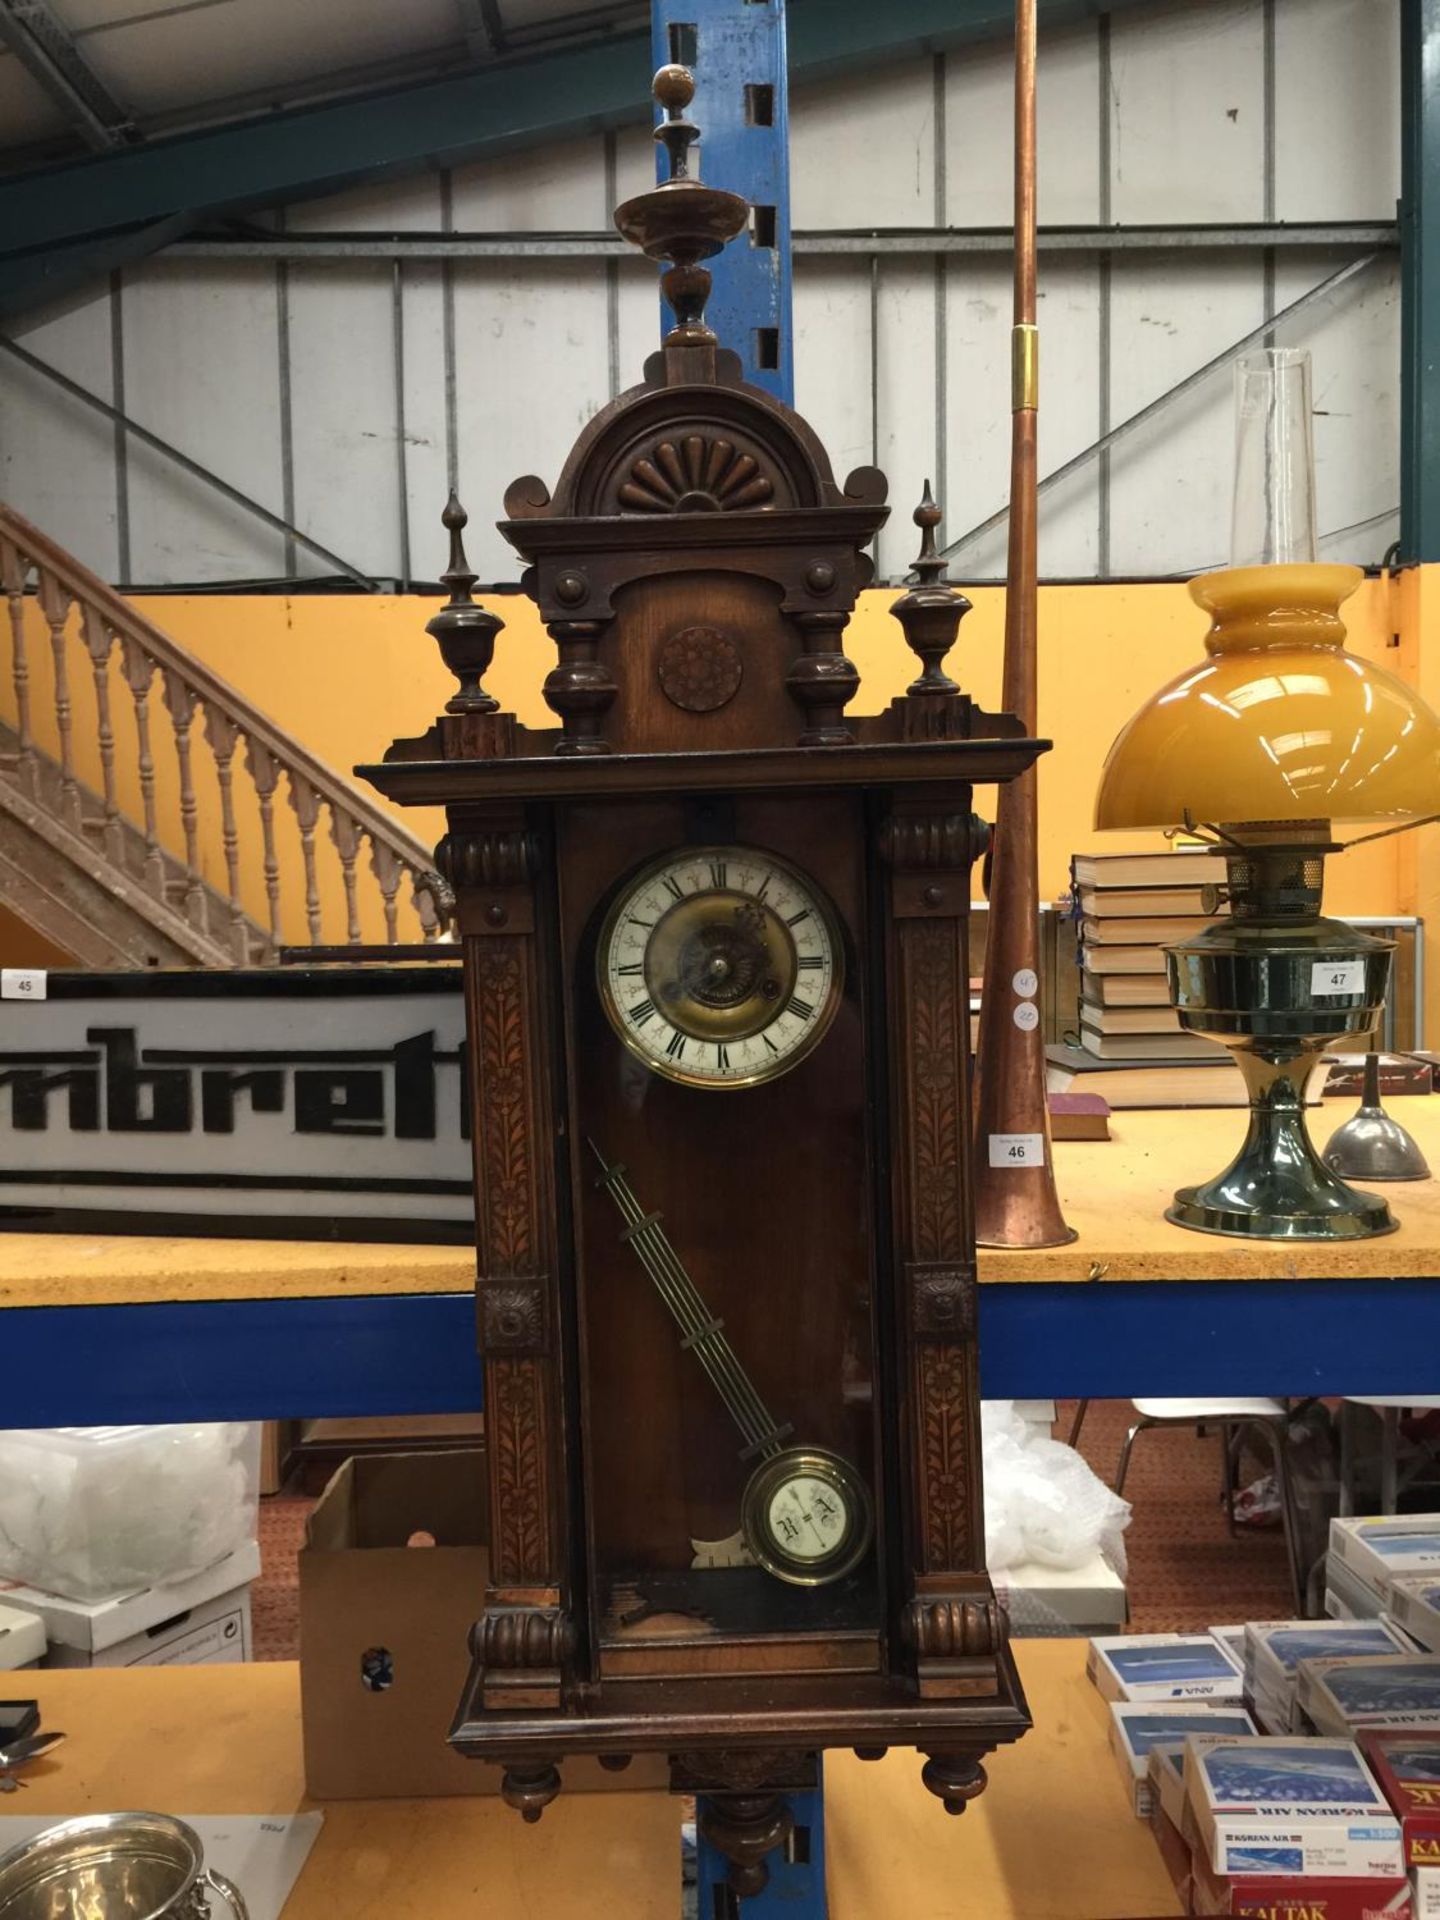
[(682, 221), (465, 632), (932, 610)]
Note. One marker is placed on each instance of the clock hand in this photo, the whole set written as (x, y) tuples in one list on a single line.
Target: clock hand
[(703, 1334)]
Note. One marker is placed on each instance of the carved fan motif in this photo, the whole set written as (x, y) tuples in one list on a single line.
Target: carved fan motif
[(699, 475)]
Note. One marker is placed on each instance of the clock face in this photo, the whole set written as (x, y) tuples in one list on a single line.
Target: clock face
[(720, 966), (806, 1516)]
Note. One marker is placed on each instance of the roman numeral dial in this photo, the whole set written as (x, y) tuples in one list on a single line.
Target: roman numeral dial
[(720, 966)]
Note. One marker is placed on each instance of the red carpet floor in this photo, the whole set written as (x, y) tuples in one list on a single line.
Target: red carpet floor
[(1185, 1570)]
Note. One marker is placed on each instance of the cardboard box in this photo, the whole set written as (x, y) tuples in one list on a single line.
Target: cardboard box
[(22, 1639), (1174, 1851), (1303, 1899), (202, 1621), (1378, 1547), (1274, 1650), (365, 1592), (1347, 1596), (1162, 1666), (1407, 1765), (1415, 1607), (1063, 1600), (1399, 1690), (1425, 1892), (1290, 1809), (1137, 1726)]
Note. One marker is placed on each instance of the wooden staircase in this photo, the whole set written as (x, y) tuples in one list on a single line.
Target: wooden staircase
[(139, 823)]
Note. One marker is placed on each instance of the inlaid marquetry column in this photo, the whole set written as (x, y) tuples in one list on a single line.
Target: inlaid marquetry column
[(951, 1626), (524, 1636)]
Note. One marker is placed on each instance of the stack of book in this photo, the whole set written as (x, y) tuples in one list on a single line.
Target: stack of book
[(1132, 1049)]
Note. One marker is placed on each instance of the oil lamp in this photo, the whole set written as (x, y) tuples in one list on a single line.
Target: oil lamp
[(1274, 744)]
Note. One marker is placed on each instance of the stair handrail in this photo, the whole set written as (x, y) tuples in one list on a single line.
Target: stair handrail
[(390, 841)]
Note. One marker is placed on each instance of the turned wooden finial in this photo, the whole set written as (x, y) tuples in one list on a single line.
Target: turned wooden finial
[(466, 632), (932, 610), (682, 221), (928, 565), (674, 89)]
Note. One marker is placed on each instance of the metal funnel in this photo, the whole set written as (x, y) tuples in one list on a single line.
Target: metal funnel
[(1372, 1146)]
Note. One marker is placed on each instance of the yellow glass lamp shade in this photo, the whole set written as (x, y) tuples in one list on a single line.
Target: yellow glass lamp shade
[(1279, 723)]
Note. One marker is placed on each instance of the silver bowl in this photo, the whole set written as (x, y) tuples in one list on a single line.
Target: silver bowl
[(112, 1866)]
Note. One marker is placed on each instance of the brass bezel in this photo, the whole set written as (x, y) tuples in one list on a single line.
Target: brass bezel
[(819, 1026), (820, 1464)]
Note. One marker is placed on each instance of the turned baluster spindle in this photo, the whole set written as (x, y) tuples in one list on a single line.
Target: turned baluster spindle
[(100, 641), (346, 834), (385, 865), (223, 736), (14, 571), (306, 802), (139, 672), (55, 605), (265, 774), (180, 701), (434, 903)]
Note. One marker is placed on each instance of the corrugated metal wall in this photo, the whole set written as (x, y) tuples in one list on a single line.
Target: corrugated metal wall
[(345, 395)]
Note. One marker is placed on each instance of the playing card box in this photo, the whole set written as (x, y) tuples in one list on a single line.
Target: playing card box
[(1401, 1690), (1137, 1726), (1407, 1767), (1379, 1547), (1276, 1898), (1162, 1666), (1414, 1606), (1284, 1808)]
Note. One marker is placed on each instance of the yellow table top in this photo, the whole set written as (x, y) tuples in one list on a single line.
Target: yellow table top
[(1114, 1192), (1053, 1838)]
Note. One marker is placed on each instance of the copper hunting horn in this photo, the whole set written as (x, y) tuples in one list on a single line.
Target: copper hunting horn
[(1016, 1204)]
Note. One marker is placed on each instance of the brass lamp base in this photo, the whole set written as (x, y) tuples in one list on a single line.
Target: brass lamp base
[(1277, 1187), (1277, 984)]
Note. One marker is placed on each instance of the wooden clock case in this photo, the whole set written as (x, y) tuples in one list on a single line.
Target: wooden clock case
[(696, 566)]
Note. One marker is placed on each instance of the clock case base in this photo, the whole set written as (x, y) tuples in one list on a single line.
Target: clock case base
[(744, 1744)]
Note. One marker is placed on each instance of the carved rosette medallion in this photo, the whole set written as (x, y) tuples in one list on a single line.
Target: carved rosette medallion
[(699, 669), (512, 1316), (943, 1302)]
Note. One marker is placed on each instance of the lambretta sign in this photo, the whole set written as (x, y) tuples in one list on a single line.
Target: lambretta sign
[(325, 1101)]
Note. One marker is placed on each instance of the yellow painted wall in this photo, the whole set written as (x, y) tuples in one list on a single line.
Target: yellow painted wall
[(348, 673)]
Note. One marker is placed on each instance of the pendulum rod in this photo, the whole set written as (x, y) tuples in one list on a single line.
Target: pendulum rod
[(703, 1333)]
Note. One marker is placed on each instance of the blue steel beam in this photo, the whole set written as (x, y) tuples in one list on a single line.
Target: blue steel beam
[(736, 50), (1420, 280), (415, 1353), (495, 109)]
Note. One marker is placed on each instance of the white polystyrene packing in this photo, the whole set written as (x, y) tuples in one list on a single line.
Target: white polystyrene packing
[(1042, 1502), (95, 1513)]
